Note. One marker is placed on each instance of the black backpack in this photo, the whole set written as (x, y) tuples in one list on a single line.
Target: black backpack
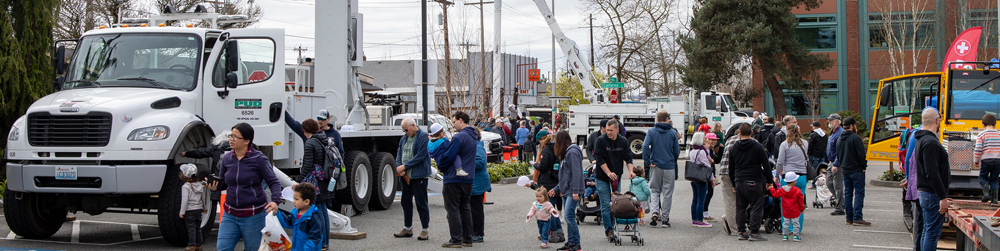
[(333, 167)]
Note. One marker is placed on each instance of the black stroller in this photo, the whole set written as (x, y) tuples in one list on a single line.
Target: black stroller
[(584, 210), (772, 214)]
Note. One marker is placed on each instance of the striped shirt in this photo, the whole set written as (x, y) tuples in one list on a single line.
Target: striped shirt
[(724, 165), (987, 146)]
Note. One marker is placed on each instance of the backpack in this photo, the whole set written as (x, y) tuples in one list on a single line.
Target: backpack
[(333, 165)]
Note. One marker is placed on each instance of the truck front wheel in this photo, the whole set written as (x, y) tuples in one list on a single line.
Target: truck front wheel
[(29, 216)]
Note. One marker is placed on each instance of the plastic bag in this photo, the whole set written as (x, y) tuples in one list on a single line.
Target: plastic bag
[(275, 238)]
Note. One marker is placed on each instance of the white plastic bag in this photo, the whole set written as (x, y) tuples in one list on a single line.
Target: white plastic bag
[(275, 238)]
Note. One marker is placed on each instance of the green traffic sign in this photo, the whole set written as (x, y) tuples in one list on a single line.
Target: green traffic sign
[(613, 85), (612, 79)]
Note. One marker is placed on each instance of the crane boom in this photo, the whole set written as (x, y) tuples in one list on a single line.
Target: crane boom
[(578, 66)]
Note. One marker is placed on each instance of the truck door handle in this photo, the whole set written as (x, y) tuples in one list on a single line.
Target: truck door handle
[(274, 112)]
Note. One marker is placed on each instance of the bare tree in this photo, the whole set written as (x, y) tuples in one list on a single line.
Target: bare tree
[(905, 32), (78, 16), (811, 92)]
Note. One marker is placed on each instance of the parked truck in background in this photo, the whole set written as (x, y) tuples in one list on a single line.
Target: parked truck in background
[(133, 98)]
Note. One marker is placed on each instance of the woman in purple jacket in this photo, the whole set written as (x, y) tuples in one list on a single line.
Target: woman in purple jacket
[(242, 173)]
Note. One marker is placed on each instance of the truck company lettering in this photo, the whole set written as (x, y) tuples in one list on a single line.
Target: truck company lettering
[(249, 104)]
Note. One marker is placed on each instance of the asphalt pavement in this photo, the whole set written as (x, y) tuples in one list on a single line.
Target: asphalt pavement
[(507, 229)]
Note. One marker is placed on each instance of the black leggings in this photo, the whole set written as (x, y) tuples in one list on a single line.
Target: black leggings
[(708, 198)]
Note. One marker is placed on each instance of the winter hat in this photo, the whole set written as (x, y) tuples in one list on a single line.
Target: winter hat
[(435, 128), (791, 177), (189, 169)]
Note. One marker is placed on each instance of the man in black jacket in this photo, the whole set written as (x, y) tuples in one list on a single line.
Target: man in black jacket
[(765, 134), (934, 177), (613, 153), (592, 139), (851, 160), (817, 147), (749, 172)]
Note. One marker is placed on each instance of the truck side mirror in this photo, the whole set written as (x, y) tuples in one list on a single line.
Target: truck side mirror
[(232, 80), (232, 56), (883, 97), (60, 60)]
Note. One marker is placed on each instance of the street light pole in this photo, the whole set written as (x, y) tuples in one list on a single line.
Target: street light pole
[(423, 57)]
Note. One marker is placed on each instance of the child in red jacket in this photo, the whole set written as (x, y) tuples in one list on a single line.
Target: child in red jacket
[(792, 205)]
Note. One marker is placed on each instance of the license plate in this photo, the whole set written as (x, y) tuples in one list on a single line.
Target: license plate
[(66, 173)]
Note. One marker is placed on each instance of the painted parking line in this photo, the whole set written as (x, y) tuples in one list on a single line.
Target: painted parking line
[(428, 194), (75, 232), (881, 232), (881, 247)]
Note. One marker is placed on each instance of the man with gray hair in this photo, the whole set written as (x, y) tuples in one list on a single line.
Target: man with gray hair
[(935, 177), (413, 167), (834, 179)]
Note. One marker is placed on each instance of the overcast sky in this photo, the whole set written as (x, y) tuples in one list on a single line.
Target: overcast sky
[(392, 27)]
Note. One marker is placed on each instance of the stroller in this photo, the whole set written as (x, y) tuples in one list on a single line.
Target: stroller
[(584, 210), (625, 214), (823, 193), (772, 211)]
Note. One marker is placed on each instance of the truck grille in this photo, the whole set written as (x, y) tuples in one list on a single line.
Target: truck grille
[(93, 129)]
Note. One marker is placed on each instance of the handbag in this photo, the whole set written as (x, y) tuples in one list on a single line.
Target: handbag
[(697, 172), (810, 171)]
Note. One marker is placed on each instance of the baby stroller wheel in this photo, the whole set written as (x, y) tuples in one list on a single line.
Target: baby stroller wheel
[(618, 242), (641, 242), (634, 239), (580, 218)]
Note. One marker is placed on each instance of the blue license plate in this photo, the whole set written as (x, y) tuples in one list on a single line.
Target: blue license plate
[(66, 173)]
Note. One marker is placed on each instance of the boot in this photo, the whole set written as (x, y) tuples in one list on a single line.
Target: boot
[(987, 193), (995, 193)]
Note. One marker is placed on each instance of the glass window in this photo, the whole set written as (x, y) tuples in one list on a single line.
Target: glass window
[(900, 104), (167, 61), (973, 94), (901, 29), (797, 104), (987, 19), (805, 20), (818, 37), (256, 62), (710, 102)]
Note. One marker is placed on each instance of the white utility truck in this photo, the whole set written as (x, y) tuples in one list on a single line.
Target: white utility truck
[(133, 98), (637, 118)]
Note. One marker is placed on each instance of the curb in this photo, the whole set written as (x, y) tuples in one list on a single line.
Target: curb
[(882, 183), (511, 180)]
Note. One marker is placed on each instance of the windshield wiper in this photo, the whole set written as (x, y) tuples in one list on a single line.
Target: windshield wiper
[(152, 82), (91, 83), (984, 83)]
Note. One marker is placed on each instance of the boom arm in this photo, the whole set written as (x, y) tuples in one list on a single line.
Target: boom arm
[(579, 67)]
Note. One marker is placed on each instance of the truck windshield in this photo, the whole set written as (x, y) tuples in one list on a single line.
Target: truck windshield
[(973, 93), (729, 101), (168, 61)]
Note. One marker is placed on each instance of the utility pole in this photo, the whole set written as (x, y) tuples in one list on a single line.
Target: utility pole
[(423, 57), (592, 65), (554, 71), (300, 50), (447, 54), (482, 59)]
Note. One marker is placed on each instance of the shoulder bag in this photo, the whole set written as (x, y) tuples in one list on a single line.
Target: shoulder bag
[(694, 171)]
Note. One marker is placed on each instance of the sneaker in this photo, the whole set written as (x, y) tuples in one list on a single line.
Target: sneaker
[(467, 244), (566, 247), (862, 223), (701, 224), (423, 236), (461, 173), (784, 238), (654, 219), (404, 234), (757, 237), (744, 236), (796, 238), (665, 223), (609, 234), (838, 212), (709, 218), (478, 239), (452, 245), (544, 245), (850, 223)]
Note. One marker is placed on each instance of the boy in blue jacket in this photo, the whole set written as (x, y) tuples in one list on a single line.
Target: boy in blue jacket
[(307, 231)]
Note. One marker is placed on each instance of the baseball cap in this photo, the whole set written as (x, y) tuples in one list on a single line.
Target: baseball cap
[(323, 114), (435, 128), (790, 177), (604, 122), (189, 169), (849, 121), (711, 136), (816, 124), (833, 116)]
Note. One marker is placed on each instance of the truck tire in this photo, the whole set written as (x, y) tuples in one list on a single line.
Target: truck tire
[(635, 144), (359, 181), (168, 211), (30, 217), (384, 189)]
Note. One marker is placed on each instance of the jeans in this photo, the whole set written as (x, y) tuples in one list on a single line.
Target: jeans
[(558, 204), (192, 219), (589, 191), (661, 191), (478, 215), (698, 201), (416, 190), (604, 194), (801, 184), (749, 205), (456, 203), (324, 219), (854, 195), (918, 224), (835, 181), (930, 204), (729, 200), (233, 228), (572, 230), (543, 230), (795, 228), (989, 173)]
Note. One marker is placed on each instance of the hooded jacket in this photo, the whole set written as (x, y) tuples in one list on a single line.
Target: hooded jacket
[(436, 149), (764, 135), (640, 187), (315, 154), (481, 184), (546, 165), (660, 147), (850, 153), (571, 180), (748, 162), (193, 196), (463, 148), (817, 144), (243, 179), (420, 163), (933, 170), (307, 230)]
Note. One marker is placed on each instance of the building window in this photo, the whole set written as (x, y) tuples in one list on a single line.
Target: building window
[(901, 30), (817, 32), (796, 102), (986, 18)]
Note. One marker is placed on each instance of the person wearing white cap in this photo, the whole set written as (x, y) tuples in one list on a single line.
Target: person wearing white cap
[(413, 165), (792, 205)]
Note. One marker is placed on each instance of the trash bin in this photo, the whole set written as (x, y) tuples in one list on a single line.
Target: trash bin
[(506, 153)]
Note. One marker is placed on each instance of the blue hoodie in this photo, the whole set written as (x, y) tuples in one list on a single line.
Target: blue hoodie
[(481, 183), (307, 231), (660, 147), (462, 147), (420, 163)]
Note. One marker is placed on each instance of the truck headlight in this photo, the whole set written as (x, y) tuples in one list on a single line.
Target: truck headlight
[(14, 134), (149, 133)]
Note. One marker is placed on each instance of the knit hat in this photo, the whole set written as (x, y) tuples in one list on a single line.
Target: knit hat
[(791, 177), (435, 128)]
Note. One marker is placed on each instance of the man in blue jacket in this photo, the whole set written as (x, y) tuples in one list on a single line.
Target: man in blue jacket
[(834, 179), (660, 151), (412, 161), (458, 189)]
